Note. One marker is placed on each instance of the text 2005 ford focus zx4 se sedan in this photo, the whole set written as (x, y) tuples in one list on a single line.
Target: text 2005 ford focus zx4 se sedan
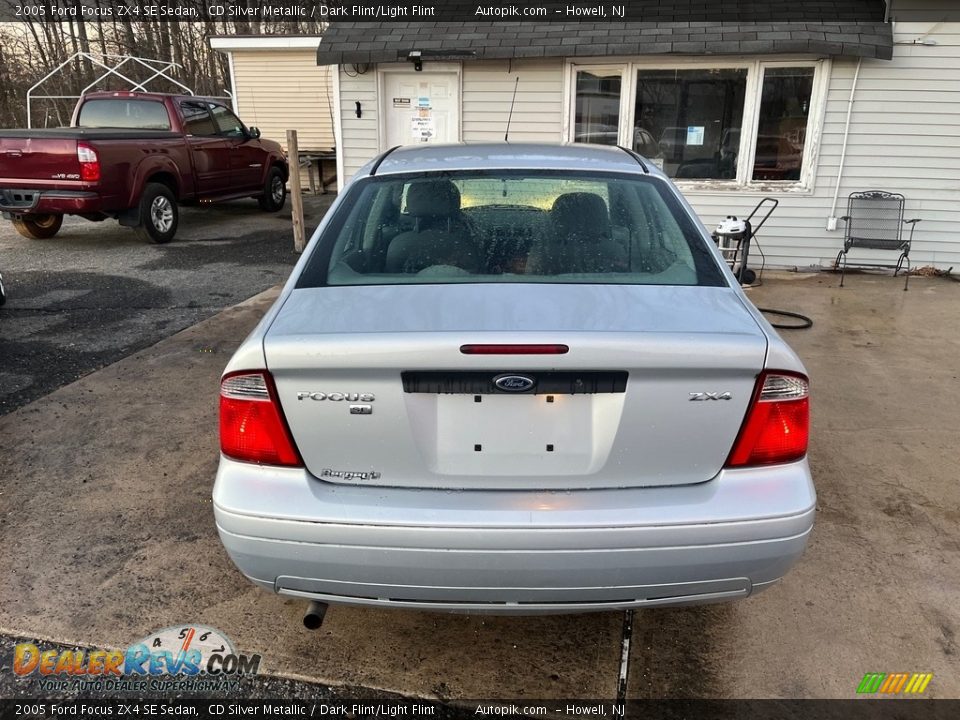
[(513, 379)]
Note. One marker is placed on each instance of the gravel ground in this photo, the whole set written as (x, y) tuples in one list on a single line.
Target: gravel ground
[(95, 548), (96, 293)]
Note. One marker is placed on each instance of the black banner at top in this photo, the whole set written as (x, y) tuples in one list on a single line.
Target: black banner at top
[(410, 709), (513, 11)]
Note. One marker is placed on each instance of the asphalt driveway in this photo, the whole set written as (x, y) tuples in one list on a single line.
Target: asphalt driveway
[(96, 292), (108, 533)]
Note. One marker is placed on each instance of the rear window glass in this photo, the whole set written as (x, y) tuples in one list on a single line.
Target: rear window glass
[(511, 226), (120, 113)]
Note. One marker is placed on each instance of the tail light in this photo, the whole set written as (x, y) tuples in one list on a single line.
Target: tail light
[(777, 426), (525, 349), (89, 163), (252, 426)]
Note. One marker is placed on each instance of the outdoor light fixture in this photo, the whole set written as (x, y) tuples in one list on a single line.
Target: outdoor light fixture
[(416, 57)]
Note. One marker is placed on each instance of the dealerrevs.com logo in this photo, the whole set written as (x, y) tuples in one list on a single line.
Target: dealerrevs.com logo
[(189, 658)]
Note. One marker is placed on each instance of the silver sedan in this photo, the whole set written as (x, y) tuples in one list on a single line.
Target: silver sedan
[(513, 379)]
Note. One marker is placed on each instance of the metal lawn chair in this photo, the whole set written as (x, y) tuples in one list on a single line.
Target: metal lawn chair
[(874, 220)]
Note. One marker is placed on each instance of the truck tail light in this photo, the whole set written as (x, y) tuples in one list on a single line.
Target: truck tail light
[(89, 163), (252, 426), (777, 425)]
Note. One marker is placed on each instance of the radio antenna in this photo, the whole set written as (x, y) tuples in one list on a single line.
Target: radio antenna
[(506, 135)]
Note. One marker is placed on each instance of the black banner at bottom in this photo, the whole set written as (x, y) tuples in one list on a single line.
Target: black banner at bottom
[(863, 709)]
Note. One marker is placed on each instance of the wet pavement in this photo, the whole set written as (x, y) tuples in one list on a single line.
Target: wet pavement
[(108, 533), (96, 292)]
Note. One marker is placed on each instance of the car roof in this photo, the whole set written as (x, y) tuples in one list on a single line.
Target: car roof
[(508, 156)]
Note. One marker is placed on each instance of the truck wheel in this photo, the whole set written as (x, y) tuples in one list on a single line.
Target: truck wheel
[(159, 214), (274, 191), (38, 227)]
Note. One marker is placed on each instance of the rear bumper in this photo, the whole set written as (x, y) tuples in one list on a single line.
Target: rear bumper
[(16, 201), (514, 552)]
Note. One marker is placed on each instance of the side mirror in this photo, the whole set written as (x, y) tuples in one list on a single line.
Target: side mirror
[(253, 132)]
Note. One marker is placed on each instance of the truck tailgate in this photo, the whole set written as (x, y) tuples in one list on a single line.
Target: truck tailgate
[(39, 162)]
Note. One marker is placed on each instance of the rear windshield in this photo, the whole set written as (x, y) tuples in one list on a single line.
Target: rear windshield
[(123, 113), (500, 226)]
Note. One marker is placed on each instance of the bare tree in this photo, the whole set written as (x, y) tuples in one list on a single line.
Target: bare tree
[(29, 50)]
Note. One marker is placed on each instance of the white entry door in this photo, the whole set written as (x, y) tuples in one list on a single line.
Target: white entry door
[(421, 107)]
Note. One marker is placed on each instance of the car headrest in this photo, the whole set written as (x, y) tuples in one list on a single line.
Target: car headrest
[(433, 198), (581, 215)]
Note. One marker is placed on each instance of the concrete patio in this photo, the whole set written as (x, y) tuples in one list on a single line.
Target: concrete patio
[(108, 533)]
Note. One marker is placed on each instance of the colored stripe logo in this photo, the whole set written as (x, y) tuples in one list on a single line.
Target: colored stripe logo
[(894, 683)]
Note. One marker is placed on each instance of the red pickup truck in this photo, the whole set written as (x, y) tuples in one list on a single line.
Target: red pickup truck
[(136, 157)]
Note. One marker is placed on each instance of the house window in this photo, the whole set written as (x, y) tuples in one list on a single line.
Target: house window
[(782, 125), (692, 115), (730, 123), (598, 107)]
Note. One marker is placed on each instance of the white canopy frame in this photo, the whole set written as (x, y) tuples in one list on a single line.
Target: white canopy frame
[(159, 68)]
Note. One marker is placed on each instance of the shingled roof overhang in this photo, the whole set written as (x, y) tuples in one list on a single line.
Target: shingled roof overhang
[(854, 28)]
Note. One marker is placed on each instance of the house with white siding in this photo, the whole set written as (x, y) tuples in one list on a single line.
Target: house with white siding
[(861, 97), (277, 86)]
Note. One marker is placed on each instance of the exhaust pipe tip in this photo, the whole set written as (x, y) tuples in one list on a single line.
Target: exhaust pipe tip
[(313, 617)]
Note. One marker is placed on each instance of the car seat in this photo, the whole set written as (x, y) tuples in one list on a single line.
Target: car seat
[(578, 239), (440, 236)]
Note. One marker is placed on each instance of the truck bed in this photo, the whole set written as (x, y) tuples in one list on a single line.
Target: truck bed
[(89, 134)]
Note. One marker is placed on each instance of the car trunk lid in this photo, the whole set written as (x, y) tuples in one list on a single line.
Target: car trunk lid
[(652, 389)]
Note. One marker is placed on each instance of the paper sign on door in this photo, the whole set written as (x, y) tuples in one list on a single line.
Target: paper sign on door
[(422, 128)]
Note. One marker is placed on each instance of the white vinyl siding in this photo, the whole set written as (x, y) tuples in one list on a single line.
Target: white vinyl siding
[(904, 137), (488, 91), (360, 135), (284, 89)]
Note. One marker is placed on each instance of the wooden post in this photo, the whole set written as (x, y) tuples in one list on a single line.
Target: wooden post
[(311, 165), (296, 196)]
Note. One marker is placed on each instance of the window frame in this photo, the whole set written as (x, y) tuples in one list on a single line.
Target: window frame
[(629, 68), (623, 133)]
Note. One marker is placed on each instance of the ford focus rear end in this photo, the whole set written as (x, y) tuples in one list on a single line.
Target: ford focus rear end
[(513, 379)]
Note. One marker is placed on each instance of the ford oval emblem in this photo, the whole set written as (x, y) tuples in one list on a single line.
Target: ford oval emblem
[(514, 383)]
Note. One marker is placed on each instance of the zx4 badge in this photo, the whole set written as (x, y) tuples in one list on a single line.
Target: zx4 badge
[(701, 396)]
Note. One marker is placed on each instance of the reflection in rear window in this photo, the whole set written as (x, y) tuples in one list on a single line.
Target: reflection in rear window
[(121, 113), (511, 226)]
